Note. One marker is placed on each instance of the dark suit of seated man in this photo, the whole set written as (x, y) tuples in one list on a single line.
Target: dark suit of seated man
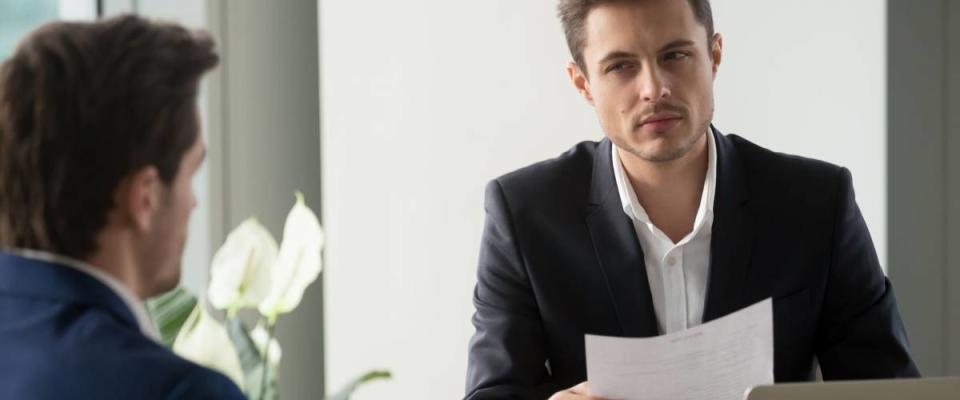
[(99, 141), (668, 223)]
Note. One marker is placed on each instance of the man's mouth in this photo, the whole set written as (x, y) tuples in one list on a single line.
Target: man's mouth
[(660, 122)]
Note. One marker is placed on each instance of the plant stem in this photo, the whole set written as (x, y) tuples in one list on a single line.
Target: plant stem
[(266, 361)]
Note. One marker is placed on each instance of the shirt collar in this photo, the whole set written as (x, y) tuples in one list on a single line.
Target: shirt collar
[(132, 302), (628, 197)]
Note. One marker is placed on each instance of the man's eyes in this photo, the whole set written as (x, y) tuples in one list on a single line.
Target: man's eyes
[(676, 56), (618, 67), (667, 57)]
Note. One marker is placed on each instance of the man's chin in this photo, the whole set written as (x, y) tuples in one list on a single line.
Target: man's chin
[(660, 151), (664, 156), (665, 148)]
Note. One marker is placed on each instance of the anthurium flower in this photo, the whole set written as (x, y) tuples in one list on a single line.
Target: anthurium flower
[(240, 272), (298, 262)]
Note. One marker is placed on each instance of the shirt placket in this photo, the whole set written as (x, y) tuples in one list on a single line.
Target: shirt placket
[(676, 291)]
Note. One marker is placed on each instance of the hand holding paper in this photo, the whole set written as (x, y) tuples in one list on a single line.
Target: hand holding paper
[(720, 360)]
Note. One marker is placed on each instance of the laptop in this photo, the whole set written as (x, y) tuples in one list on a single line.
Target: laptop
[(890, 389)]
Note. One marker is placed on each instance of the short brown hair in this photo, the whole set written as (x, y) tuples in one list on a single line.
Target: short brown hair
[(573, 16), (83, 105)]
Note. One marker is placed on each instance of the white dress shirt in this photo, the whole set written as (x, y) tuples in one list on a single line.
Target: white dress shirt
[(133, 303), (677, 272)]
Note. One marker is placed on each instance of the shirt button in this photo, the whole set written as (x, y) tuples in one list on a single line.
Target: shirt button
[(671, 261)]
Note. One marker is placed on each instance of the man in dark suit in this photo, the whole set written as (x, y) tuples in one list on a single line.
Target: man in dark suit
[(668, 223), (99, 141)]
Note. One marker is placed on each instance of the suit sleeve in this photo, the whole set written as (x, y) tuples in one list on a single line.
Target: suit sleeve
[(507, 352), (861, 335)]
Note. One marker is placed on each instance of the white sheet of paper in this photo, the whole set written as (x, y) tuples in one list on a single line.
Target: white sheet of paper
[(719, 360)]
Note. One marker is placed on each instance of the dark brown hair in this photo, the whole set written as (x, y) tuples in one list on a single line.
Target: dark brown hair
[(573, 16), (83, 105)]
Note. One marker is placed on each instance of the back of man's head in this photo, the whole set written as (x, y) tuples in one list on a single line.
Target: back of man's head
[(82, 106)]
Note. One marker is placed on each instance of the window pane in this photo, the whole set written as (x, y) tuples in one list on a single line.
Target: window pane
[(17, 17)]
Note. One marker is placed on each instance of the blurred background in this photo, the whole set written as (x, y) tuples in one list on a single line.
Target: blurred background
[(391, 116)]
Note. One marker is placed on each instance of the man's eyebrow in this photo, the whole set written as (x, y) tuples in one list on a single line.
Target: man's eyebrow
[(676, 44), (616, 55), (620, 54)]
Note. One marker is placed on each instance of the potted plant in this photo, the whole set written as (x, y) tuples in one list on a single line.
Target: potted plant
[(249, 273)]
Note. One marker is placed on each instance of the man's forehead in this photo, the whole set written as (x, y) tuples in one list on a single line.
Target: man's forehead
[(640, 26)]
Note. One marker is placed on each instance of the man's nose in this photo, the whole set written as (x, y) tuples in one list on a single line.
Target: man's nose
[(653, 88)]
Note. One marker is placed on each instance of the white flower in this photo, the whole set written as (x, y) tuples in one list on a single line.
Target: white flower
[(240, 272), (205, 341), (259, 337), (298, 263)]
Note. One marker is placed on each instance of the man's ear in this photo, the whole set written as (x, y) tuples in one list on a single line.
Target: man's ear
[(580, 81), (138, 197), (716, 52)]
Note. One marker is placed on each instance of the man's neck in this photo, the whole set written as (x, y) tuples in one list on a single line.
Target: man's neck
[(117, 261), (669, 191)]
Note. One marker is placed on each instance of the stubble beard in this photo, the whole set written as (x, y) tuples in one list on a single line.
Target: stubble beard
[(687, 143)]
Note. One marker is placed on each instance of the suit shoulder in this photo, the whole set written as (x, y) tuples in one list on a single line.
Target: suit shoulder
[(93, 341), (565, 174), (173, 377), (169, 374), (758, 156), (769, 170)]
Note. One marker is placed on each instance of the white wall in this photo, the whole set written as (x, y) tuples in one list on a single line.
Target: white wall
[(424, 101)]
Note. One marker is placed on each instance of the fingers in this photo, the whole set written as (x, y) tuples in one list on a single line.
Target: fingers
[(580, 389), (578, 392)]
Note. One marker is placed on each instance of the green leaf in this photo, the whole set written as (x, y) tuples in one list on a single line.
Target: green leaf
[(169, 312), (349, 388), (252, 363)]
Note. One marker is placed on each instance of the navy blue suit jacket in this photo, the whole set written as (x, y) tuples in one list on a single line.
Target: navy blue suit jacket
[(65, 335), (559, 259)]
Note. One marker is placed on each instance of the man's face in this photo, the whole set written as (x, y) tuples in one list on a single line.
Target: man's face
[(168, 238), (649, 74)]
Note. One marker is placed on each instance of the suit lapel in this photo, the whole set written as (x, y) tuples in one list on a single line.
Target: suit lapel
[(618, 250), (732, 234)]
